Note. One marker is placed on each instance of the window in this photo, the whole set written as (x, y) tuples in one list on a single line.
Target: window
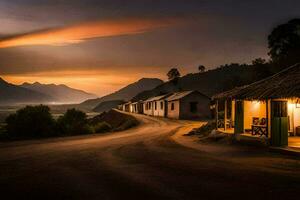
[(172, 106), (155, 105), (193, 107), (161, 105)]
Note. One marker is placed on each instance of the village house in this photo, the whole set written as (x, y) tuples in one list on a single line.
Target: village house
[(269, 108), (148, 107), (137, 107), (188, 105), (160, 105), (126, 107)]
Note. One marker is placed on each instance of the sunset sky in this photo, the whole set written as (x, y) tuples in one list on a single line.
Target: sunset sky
[(102, 45)]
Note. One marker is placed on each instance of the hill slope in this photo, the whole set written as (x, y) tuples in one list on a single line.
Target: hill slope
[(62, 93), (13, 94), (125, 93), (107, 105), (209, 82)]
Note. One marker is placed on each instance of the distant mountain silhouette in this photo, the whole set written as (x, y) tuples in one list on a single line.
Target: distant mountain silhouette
[(13, 94), (62, 93), (107, 105), (125, 93), (209, 82)]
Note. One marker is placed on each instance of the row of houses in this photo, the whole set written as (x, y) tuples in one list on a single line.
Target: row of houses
[(178, 105), (269, 108)]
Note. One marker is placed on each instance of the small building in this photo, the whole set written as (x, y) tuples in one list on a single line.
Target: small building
[(269, 108), (148, 106), (188, 105), (160, 108), (156, 106), (137, 107), (126, 107)]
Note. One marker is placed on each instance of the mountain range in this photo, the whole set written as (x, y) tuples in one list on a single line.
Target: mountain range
[(60, 93), (12, 94), (125, 93), (40, 93)]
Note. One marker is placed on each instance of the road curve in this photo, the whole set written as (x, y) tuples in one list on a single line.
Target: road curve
[(151, 161)]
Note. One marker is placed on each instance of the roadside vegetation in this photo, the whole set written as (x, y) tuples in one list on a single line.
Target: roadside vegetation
[(37, 122)]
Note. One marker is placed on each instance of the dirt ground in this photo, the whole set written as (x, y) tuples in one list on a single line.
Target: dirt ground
[(151, 161)]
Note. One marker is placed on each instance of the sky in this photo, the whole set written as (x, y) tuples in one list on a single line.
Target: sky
[(102, 45)]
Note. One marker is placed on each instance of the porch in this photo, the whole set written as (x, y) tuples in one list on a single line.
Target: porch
[(252, 119)]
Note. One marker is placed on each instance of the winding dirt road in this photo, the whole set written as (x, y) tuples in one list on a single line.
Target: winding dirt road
[(151, 161)]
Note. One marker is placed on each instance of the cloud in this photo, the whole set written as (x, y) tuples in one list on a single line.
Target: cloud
[(78, 33)]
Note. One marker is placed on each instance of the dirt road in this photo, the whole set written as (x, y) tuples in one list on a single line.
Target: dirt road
[(151, 161)]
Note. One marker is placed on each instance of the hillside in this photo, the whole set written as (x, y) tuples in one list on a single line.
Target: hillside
[(210, 82), (62, 93), (107, 105), (13, 94), (125, 93)]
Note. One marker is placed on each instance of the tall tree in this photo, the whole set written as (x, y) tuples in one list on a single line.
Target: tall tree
[(173, 74), (201, 68), (284, 43)]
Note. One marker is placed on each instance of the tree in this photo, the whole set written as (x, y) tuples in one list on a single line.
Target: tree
[(31, 121), (73, 122), (173, 74), (284, 43), (258, 61), (201, 68)]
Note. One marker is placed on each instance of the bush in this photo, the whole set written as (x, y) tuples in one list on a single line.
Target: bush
[(102, 127), (204, 130), (129, 123), (73, 122), (31, 121)]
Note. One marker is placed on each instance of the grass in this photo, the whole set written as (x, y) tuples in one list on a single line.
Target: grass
[(102, 127), (204, 130)]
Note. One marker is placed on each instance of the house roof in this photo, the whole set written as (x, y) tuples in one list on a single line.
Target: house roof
[(285, 84), (157, 98), (136, 102), (179, 95)]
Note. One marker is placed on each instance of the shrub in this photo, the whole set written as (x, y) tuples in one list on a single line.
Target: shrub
[(204, 130), (129, 123), (73, 122), (31, 121), (102, 127)]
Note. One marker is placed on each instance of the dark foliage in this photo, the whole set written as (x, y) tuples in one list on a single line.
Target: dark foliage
[(173, 74), (284, 44), (73, 122), (201, 68), (31, 121), (118, 121)]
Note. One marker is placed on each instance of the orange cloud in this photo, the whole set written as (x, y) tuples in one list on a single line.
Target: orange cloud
[(80, 32)]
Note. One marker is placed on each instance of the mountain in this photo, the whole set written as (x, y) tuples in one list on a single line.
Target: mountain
[(62, 93), (13, 94), (107, 105), (125, 93), (211, 82)]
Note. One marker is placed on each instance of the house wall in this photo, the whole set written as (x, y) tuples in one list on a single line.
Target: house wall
[(148, 111), (131, 109), (160, 112), (173, 114), (203, 106), (253, 109), (294, 116)]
